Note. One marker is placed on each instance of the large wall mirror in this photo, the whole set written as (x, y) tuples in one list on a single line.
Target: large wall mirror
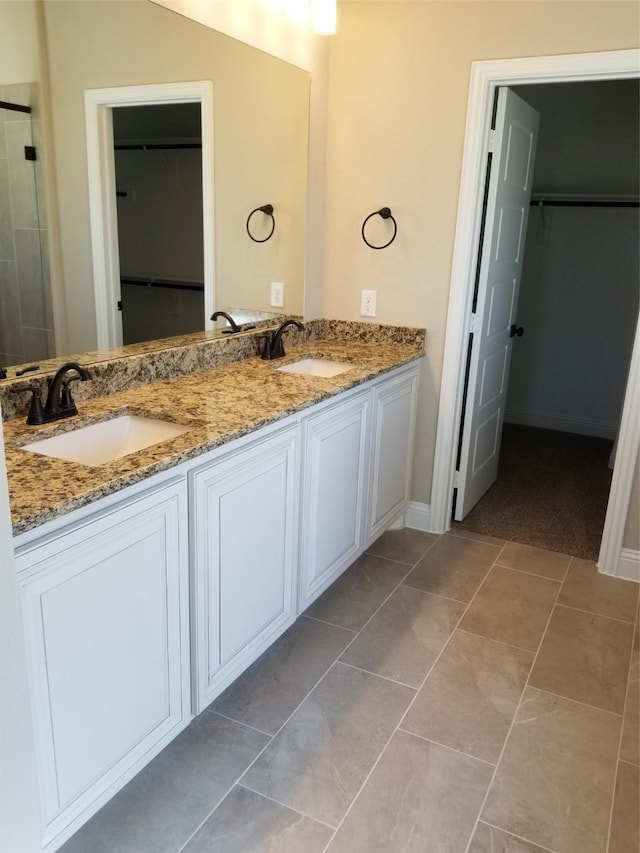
[(260, 138)]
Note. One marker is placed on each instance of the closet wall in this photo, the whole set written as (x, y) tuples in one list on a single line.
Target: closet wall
[(579, 293)]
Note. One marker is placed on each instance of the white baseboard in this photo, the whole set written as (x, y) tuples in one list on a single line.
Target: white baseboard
[(416, 516), (629, 565), (562, 423)]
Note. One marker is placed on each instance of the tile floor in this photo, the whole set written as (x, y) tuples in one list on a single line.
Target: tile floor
[(456, 694)]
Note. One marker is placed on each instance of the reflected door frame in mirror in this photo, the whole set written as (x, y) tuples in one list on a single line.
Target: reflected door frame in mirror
[(102, 196)]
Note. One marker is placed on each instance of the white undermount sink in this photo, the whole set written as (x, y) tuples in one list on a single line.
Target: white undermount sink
[(105, 441), (317, 367)]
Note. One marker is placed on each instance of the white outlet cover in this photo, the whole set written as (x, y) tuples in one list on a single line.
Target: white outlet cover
[(277, 294), (368, 303)]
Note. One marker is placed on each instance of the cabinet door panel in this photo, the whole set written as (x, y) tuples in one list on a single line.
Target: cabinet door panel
[(105, 631), (392, 451), (253, 522), (334, 490), (105, 606), (244, 540)]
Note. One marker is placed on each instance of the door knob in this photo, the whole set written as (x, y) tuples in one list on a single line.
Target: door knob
[(516, 330)]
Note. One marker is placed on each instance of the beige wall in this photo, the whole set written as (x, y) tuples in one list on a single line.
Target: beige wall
[(399, 81), (260, 137), (20, 54)]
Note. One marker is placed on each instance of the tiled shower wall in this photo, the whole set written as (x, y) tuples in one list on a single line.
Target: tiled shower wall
[(26, 316)]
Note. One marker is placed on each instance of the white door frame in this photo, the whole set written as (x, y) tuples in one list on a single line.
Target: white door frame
[(102, 196), (486, 77)]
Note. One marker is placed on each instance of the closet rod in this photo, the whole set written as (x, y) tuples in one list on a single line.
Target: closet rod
[(171, 284), (581, 201), (155, 146)]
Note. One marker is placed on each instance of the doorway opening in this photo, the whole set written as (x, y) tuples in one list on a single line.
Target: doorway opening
[(158, 171), (99, 108), (486, 78), (576, 312)]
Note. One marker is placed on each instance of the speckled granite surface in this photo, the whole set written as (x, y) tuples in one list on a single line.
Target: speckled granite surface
[(222, 404), (136, 365)]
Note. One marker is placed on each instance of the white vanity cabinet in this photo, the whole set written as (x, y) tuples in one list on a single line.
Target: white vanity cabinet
[(145, 606), (105, 604), (333, 493), (393, 427), (243, 551)]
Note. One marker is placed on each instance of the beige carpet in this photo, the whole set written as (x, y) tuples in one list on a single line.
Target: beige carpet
[(551, 492)]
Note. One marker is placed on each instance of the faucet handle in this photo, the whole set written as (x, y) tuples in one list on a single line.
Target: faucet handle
[(66, 400), (36, 412), (267, 352)]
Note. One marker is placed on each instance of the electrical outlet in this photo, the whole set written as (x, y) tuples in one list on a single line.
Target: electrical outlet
[(277, 294), (368, 303)]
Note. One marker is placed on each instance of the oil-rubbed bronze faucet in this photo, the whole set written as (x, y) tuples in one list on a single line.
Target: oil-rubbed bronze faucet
[(59, 402), (273, 346), (234, 326)]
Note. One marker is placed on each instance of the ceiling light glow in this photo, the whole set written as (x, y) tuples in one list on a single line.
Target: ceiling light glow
[(318, 16), (323, 17)]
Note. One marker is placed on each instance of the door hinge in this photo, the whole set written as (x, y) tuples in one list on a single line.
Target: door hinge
[(119, 306), (458, 480), (475, 325), (30, 152), (494, 140)]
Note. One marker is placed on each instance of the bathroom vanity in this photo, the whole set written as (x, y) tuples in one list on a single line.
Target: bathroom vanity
[(151, 582)]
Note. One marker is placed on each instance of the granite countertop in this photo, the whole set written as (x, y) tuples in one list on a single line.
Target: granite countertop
[(222, 404)]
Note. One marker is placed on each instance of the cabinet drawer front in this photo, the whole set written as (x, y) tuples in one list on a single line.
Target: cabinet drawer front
[(103, 609), (243, 542)]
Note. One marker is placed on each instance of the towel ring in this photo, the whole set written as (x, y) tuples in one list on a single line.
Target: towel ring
[(385, 213), (267, 209)]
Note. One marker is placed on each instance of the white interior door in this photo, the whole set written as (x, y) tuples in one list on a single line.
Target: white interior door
[(513, 147)]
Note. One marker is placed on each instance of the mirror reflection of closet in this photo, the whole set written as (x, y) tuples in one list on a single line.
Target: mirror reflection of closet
[(26, 316), (158, 166)]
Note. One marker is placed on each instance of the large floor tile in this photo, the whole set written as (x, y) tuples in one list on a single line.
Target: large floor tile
[(406, 635), (587, 589), (420, 797), (471, 696), (405, 546), (489, 839), (512, 607), (625, 820), (536, 561), (273, 687), (585, 657), (554, 781), (355, 597), (166, 802), (246, 822), (455, 567), (630, 744), (319, 760)]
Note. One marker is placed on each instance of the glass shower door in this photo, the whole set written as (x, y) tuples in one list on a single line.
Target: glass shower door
[(26, 317)]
